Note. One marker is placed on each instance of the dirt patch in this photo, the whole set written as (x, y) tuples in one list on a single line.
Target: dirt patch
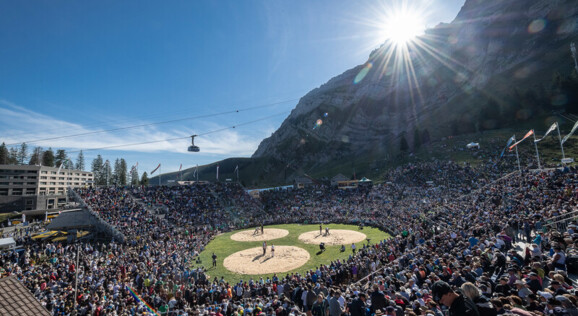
[(252, 261), (253, 235), (335, 237)]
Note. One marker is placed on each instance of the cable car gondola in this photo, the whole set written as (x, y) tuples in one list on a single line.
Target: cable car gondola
[(193, 148)]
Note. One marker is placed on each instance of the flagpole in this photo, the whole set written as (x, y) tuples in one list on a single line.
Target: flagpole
[(537, 154), (560, 139), (160, 174), (518, 157)]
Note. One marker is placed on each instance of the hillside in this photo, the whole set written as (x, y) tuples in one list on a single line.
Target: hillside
[(499, 68), (491, 68)]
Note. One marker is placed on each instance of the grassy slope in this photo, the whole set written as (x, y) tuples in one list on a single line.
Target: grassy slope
[(223, 246)]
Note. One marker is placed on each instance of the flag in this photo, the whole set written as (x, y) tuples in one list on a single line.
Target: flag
[(62, 164), (510, 141), (180, 168), (157, 168), (528, 134), (553, 127), (195, 172), (217, 172), (571, 132)]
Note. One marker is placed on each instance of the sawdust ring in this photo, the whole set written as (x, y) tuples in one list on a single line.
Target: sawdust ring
[(335, 237), (252, 261), (268, 234)]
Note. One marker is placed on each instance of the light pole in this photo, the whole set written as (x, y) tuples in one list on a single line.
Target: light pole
[(573, 50), (76, 277)]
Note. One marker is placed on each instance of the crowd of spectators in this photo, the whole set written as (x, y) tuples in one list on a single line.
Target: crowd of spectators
[(465, 240)]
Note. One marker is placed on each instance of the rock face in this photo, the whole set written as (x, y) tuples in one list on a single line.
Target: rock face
[(472, 74)]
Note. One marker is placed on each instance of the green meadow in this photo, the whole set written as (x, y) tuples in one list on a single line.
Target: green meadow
[(223, 246)]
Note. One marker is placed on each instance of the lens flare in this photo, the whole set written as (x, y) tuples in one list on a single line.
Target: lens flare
[(318, 123), (362, 73), (537, 26)]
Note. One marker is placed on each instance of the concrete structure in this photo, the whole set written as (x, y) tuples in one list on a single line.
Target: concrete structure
[(24, 187)]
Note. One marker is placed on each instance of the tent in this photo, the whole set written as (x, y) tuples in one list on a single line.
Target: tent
[(6, 243)]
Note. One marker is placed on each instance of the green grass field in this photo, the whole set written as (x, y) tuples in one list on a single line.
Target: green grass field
[(223, 246)]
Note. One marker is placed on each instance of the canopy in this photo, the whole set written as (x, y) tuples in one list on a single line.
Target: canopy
[(7, 242), (46, 234)]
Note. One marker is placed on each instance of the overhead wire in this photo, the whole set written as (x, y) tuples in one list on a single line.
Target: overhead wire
[(182, 137), (154, 123)]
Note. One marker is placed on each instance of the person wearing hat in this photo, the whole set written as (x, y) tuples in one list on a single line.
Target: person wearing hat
[(521, 289), (320, 307), (390, 310), (534, 283), (556, 288), (567, 304), (503, 287), (357, 307), (458, 303)]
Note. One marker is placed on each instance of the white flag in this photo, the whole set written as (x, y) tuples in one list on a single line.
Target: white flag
[(217, 172), (571, 132), (553, 127)]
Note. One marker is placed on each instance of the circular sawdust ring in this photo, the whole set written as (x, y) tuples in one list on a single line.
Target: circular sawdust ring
[(252, 261), (268, 234), (335, 237)]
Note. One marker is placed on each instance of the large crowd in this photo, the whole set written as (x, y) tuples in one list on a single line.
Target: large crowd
[(466, 241)]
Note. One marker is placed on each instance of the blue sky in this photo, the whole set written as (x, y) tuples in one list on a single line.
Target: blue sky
[(83, 67)]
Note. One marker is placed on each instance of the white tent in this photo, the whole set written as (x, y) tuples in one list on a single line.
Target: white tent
[(6, 243)]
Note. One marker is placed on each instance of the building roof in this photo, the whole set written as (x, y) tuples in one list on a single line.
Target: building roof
[(7, 242), (16, 300), (73, 220)]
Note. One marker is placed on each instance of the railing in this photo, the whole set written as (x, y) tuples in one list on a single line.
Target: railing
[(561, 221), (117, 235)]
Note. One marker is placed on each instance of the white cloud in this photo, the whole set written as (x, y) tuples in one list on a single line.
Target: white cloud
[(18, 124)]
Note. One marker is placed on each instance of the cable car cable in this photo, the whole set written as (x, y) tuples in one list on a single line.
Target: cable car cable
[(183, 137)]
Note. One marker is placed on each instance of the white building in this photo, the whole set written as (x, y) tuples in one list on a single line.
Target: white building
[(24, 187)]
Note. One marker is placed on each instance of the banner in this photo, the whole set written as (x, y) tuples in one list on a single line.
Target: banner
[(217, 172), (528, 134), (510, 141), (553, 127), (571, 132), (157, 168)]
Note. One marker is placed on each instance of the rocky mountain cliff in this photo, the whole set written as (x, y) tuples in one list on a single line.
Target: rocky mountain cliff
[(491, 66)]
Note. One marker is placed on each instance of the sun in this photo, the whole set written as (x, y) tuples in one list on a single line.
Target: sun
[(403, 25)]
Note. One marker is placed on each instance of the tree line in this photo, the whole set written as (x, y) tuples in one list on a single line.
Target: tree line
[(104, 173), (39, 156)]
